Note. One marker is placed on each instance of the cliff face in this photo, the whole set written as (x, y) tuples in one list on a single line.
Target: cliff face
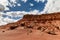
[(52, 16), (48, 23)]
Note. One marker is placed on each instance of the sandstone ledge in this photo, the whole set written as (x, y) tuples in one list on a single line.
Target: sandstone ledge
[(49, 24)]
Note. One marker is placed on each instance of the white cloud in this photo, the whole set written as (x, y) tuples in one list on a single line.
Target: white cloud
[(4, 3), (24, 1), (18, 4), (52, 6), (40, 0), (8, 20), (34, 12), (14, 1), (31, 4), (2, 7)]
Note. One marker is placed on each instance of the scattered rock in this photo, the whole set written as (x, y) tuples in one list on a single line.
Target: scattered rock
[(29, 26), (58, 28), (23, 24), (29, 31), (52, 33), (39, 28), (42, 28), (13, 27), (3, 31)]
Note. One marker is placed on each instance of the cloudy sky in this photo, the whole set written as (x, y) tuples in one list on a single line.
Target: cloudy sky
[(15, 9), (24, 5)]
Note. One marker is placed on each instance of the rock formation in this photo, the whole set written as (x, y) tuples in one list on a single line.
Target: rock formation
[(48, 23)]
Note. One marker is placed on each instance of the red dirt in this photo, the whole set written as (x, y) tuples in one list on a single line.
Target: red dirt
[(33, 27)]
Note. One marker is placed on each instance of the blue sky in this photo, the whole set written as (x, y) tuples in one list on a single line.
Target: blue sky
[(27, 7)]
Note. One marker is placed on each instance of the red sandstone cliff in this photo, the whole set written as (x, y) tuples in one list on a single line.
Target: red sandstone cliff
[(33, 27), (49, 23), (51, 16)]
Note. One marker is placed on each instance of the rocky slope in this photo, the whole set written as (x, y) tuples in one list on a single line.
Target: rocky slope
[(44, 22), (34, 25)]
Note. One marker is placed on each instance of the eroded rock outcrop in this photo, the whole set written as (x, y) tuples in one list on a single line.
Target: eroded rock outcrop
[(47, 23)]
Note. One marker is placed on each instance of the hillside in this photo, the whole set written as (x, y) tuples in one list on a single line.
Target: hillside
[(33, 27)]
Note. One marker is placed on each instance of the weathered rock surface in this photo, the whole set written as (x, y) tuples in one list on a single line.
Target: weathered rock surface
[(34, 25)]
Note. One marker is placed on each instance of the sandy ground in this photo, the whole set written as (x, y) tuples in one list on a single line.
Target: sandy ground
[(19, 34)]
